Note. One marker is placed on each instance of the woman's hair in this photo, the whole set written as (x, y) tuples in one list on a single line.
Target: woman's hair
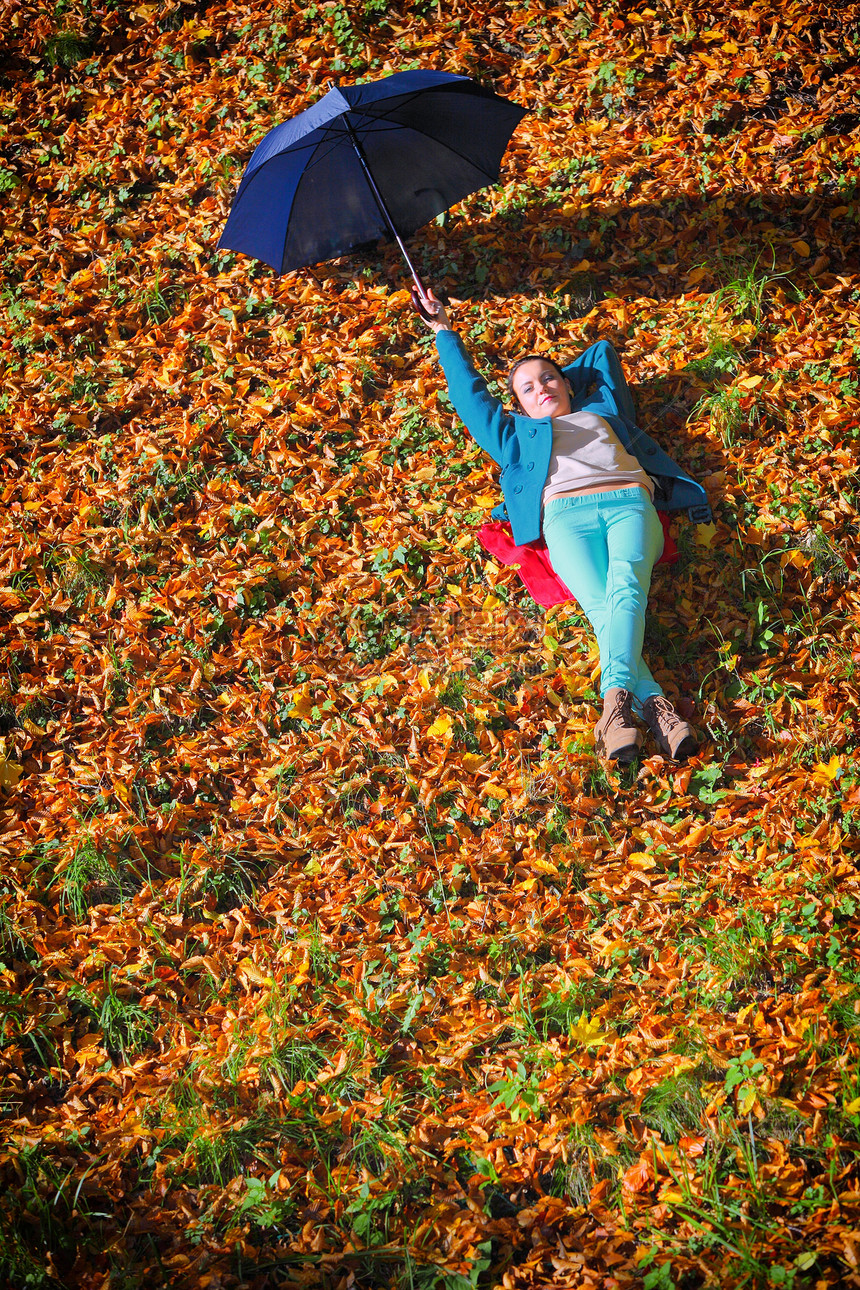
[(530, 358)]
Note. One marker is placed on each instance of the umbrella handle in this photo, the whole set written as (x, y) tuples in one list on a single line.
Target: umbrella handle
[(418, 305)]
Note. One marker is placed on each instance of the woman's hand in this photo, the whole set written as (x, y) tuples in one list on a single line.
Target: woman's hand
[(429, 304)]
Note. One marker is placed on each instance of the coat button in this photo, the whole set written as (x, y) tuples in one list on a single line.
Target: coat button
[(530, 466), (518, 488), (532, 432)]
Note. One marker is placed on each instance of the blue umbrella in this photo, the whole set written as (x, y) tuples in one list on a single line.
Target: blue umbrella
[(367, 162)]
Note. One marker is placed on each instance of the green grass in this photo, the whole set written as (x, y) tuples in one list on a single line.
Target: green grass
[(125, 1025), (674, 1107), (224, 883), (732, 956), (67, 48), (37, 1231), (204, 1141), (157, 302), (87, 876), (75, 572)]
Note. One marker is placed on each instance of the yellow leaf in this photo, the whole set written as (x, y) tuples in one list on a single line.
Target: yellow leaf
[(253, 973), (424, 679), (587, 1033), (472, 761), (491, 602), (747, 1098), (750, 382), (575, 683), (828, 771), (730, 47), (481, 714), (696, 275), (544, 866), (10, 773), (486, 501), (313, 867), (440, 727), (303, 705), (853, 1107), (802, 248), (641, 860), (705, 534), (495, 791)]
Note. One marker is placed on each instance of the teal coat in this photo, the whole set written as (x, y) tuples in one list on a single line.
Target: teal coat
[(522, 446)]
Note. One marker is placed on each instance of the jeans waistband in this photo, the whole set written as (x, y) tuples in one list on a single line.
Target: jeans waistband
[(630, 496)]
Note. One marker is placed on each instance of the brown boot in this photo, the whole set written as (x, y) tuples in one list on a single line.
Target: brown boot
[(675, 737), (616, 736)]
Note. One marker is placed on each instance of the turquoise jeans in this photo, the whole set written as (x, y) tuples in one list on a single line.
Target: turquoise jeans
[(603, 547)]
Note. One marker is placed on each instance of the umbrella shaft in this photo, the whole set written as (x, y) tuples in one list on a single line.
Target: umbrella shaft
[(380, 201)]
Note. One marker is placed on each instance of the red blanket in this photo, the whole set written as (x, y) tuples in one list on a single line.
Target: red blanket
[(541, 580)]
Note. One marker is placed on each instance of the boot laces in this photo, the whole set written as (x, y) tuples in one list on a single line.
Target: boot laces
[(621, 710), (664, 713)]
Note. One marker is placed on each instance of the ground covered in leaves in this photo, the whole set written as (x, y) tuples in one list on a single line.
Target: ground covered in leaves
[(330, 955)]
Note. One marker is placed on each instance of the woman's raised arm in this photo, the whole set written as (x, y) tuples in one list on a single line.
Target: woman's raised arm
[(481, 413)]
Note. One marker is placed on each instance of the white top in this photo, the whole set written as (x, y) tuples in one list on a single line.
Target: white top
[(586, 452)]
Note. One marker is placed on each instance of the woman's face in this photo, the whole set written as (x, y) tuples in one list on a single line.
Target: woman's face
[(542, 391)]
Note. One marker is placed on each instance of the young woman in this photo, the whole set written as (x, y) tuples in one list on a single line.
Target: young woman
[(576, 469)]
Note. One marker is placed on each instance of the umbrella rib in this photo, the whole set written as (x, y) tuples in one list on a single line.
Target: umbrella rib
[(408, 98), (293, 148), (402, 101), (441, 143), (313, 149), (337, 140), (468, 160), (332, 137)]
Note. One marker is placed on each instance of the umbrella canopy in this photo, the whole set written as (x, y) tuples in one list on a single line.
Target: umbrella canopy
[(367, 162)]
